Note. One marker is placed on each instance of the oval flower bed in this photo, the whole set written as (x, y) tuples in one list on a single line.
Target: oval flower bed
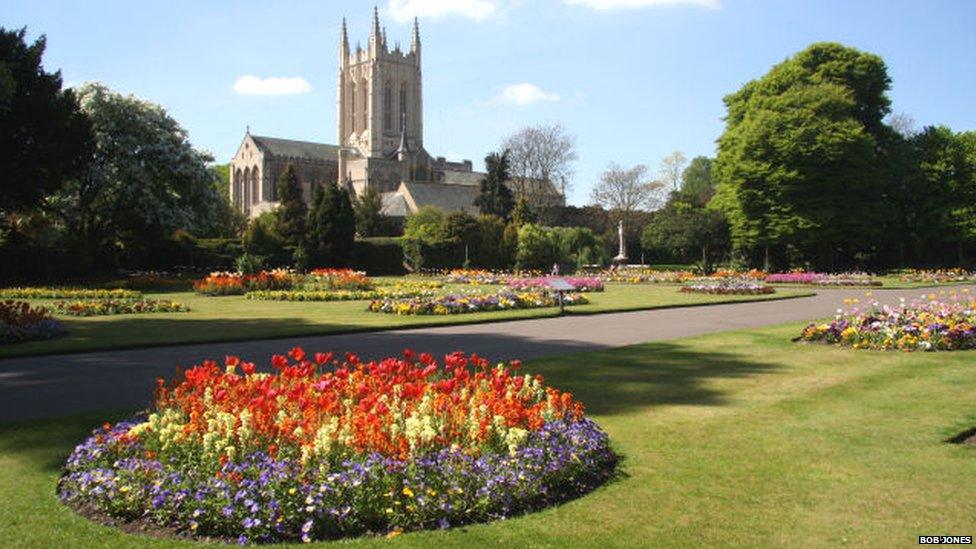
[(727, 286), (319, 450), (923, 325), (473, 303), (582, 284), (104, 307), (21, 322), (67, 293)]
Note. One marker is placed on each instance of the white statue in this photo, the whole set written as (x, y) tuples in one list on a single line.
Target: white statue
[(622, 255)]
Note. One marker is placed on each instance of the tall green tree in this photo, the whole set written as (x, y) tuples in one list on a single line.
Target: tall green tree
[(292, 211), (369, 206), (145, 181), (798, 165), (229, 222), (44, 136), (494, 196), (331, 226), (688, 232), (696, 181)]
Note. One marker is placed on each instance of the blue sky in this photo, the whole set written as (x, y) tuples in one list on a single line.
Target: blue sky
[(633, 79)]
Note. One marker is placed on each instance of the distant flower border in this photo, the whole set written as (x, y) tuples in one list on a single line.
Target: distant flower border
[(581, 283), (338, 295), (107, 307), (67, 293), (727, 286), (453, 304)]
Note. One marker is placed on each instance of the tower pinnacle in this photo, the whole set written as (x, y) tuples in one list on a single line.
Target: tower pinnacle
[(415, 43)]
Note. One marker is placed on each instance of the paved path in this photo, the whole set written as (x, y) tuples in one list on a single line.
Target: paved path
[(36, 387)]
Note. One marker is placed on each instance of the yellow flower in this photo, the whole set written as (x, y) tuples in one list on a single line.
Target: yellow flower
[(407, 491), (292, 491)]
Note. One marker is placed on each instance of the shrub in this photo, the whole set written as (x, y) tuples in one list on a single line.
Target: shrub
[(249, 264)]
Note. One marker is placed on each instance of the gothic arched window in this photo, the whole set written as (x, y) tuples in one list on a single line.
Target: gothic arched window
[(403, 106), (387, 108), (246, 189), (365, 105), (256, 186), (352, 107)]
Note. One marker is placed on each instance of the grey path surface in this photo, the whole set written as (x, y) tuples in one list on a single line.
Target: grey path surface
[(44, 386)]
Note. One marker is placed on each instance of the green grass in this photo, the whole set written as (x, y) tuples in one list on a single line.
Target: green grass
[(739, 438), (233, 318)]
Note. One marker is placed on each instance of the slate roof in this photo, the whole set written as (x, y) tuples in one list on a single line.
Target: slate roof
[(297, 149), (450, 198), (472, 179), (394, 205)]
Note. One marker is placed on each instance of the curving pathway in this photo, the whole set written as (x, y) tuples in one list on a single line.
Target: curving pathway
[(35, 387)]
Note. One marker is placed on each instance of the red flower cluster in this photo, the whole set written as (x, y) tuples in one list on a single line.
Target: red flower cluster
[(396, 407), (343, 279), (237, 283)]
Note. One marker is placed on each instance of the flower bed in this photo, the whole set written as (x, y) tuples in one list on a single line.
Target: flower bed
[(103, 307), (727, 286), (319, 450), (823, 279), (646, 276), (67, 293), (472, 303), (340, 279), (222, 283), (340, 295), (928, 324), (21, 322), (581, 284), (474, 276), (938, 276)]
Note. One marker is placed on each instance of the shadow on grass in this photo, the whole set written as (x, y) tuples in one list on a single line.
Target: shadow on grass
[(620, 380), (47, 443), (610, 382), (616, 381)]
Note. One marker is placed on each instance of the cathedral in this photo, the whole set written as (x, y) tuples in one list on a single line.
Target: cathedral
[(381, 141)]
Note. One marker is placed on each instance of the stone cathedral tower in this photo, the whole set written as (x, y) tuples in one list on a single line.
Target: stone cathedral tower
[(380, 112), (380, 142)]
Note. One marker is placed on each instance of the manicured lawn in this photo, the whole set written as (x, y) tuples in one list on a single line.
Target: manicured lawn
[(739, 438), (235, 318)]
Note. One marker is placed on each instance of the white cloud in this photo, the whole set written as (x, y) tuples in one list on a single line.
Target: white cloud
[(406, 10), (605, 5), (253, 85), (524, 94)]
